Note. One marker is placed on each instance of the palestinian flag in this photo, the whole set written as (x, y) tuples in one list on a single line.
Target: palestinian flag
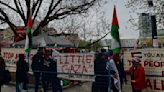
[(40, 28), (16, 39), (29, 44), (116, 44), (56, 44)]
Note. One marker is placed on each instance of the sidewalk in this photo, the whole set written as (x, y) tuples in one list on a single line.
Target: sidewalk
[(67, 88)]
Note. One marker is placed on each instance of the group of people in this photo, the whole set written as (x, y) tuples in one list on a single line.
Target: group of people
[(117, 73), (44, 67), (42, 64)]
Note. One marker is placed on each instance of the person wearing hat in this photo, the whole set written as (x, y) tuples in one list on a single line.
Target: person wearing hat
[(37, 65), (137, 75), (21, 73)]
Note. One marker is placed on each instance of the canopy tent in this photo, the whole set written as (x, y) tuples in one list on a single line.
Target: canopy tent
[(50, 41)]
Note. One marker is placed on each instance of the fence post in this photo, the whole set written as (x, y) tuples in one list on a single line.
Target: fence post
[(109, 69)]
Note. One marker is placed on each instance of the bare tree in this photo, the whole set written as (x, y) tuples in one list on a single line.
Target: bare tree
[(16, 12)]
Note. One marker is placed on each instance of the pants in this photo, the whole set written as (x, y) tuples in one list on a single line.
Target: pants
[(137, 90), (115, 89), (99, 88), (56, 87), (19, 86), (37, 79)]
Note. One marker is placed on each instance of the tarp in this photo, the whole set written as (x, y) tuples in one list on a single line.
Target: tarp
[(50, 41)]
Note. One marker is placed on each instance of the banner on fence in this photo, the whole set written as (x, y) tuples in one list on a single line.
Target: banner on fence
[(76, 63), (11, 56), (153, 63)]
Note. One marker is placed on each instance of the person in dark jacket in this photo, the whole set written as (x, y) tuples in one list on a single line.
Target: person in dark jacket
[(120, 68), (50, 78), (37, 65), (2, 69), (101, 82), (137, 75), (21, 73)]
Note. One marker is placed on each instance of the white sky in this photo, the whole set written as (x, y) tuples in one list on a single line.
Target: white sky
[(123, 16)]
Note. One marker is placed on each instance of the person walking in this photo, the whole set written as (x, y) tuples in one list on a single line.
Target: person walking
[(21, 73), (2, 69), (137, 75), (37, 65)]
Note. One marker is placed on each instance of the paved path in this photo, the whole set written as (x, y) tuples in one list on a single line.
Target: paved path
[(86, 87)]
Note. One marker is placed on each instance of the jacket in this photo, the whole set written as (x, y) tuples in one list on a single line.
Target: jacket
[(21, 71), (139, 77), (2, 69), (122, 74), (49, 66), (37, 62), (100, 69)]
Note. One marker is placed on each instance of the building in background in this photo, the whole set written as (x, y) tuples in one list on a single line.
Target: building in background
[(124, 42), (144, 25)]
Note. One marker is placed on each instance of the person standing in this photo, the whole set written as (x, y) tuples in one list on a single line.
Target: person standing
[(101, 82), (21, 73), (115, 68), (50, 78), (137, 75), (120, 66), (37, 65), (2, 69)]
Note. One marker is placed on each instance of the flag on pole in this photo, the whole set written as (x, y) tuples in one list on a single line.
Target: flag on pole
[(29, 43), (116, 44), (40, 28), (16, 39), (56, 44)]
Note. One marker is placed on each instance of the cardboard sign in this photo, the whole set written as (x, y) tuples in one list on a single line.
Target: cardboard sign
[(11, 56), (153, 63), (76, 63)]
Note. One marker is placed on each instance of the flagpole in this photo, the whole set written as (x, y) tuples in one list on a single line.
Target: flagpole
[(109, 69), (28, 67)]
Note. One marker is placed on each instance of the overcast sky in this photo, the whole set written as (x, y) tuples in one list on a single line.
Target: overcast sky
[(123, 16)]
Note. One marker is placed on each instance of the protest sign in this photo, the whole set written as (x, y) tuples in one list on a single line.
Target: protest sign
[(76, 63), (11, 56), (153, 63)]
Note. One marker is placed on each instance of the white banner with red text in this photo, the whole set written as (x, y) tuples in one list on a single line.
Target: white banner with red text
[(78, 66), (153, 63), (11, 56)]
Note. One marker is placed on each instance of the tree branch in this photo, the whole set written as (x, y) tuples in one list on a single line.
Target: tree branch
[(37, 9), (28, 9), (34, 6), (22, 16), (21, 7), (6, 19), (19, 11), (99, 39)]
